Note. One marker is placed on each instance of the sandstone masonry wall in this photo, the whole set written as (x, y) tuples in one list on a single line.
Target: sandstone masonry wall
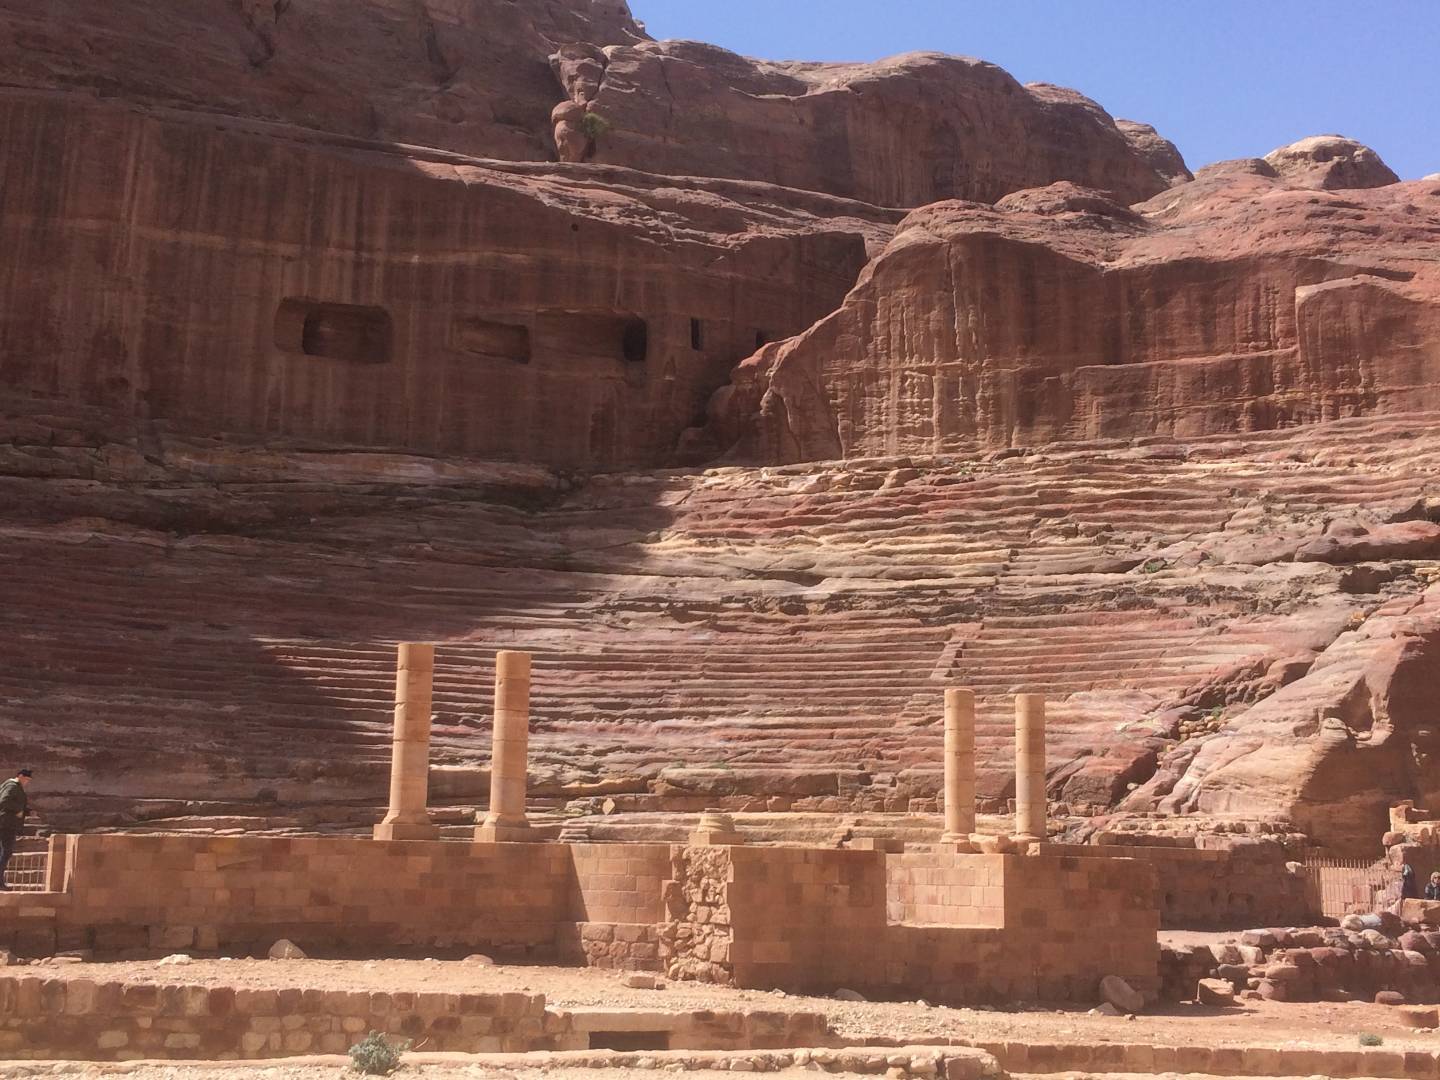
[(814, 919), (130, 892), (106, 1021)]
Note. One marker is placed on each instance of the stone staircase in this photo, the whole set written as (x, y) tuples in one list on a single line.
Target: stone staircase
[(760, 639)]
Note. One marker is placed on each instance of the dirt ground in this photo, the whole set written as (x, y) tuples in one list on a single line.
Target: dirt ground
[(1319, 1025), (335, 1069)]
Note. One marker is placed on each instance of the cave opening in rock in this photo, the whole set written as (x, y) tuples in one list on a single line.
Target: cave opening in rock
[(359, 334), (635, 341)]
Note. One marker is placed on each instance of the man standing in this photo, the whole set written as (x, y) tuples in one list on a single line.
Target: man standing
[(14, 808)]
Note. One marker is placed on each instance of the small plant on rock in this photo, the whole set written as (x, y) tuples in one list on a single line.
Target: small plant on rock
[(375, 1055), (595, 126), (1368, 1038)]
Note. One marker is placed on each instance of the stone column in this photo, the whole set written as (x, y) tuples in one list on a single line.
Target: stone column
[(407, 818), (509, 754), (959, 766), (1029, 768)]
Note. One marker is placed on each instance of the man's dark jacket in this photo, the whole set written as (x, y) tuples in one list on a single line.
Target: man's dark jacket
[(14, 804)]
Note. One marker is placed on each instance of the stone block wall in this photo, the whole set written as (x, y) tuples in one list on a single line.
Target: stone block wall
[(697, 936), (929, 887), (816, 919), (109, 1021), (806, 918), (619, 883), (971, 927), (1247, 883), (621, 946), (146, 893)]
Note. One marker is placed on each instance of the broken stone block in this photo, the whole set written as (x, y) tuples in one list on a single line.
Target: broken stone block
[(1215, 992), (1121, 994), (1237, 975), (1418, 1016), (285, 949), (642, 981), (1389, 997)]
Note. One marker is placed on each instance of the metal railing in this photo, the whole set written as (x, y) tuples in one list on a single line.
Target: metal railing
[(27, 871), (1352, 886)]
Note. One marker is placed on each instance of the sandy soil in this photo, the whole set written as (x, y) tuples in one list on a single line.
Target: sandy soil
[(1319, 1025), (334, 1069)]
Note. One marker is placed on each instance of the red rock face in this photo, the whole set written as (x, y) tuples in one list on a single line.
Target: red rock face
[(906, 131), (271, 283), (304, 334), (200, 631), (1236, 302), (473, 76), (463, 75)]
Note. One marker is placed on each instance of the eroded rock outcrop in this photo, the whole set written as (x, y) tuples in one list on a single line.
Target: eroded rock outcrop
[(1330, 163), (472, 78), (424, 302), (904, 131), (1334, 749), (1235, 302)]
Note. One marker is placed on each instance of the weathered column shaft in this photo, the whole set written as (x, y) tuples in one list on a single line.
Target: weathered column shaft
[(1030, 766), (959, 764), (407, 818), (509, 756)]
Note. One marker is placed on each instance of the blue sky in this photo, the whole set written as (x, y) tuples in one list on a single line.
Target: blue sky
[(1221, 78)]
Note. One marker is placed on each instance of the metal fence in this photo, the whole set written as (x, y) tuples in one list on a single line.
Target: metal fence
[(1352, 886), (27, 869)]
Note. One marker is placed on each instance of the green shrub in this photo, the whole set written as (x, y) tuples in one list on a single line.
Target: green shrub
[(595, 125), (374, 1055), (1369, 1039)]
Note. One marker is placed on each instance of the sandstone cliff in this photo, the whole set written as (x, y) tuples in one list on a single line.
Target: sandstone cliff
[(474, 77), (269, 282), (464, 75), (906, 131), (1243, 300), (306, 335)]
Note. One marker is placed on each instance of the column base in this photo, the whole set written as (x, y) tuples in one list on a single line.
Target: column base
[(959, 843), (875, 843), (714, 838), (510, 832), (999, 844), (399, 830)]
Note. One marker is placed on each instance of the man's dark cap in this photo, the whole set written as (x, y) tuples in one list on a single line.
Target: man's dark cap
[(26, 773)]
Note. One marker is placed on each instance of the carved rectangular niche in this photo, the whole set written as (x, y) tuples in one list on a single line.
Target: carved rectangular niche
[(486, 337), (351, 332), (606, 335)]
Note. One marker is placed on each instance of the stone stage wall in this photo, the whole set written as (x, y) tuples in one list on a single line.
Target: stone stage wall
[(812, 919), (1254, 884), (794, 918), (85, 1019)]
